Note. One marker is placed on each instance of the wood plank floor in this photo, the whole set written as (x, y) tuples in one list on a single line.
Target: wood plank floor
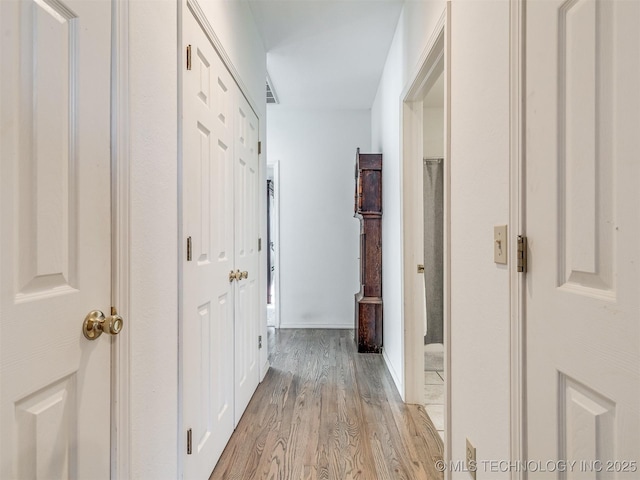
[(324, 411)]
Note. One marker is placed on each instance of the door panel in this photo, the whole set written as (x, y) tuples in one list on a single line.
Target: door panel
[(583, 179), (208, 300), (55, 238), (247, 258)]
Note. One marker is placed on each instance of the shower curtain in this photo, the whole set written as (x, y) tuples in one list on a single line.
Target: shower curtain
[(433, 249)]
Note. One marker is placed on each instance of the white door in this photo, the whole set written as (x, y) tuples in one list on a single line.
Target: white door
[(55, 238), (246, 258), (220, 273), (583, 225), (209, 300)]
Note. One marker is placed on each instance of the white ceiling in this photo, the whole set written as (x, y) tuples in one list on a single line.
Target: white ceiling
[(327, 54)]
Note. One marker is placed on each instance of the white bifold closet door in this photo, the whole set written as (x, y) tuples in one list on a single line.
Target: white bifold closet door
[(220, 216)]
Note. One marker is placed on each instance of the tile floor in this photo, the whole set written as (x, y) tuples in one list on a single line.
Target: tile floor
[(434, 399)]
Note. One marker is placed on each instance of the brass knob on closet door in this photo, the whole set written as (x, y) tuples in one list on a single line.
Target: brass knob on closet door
[(237, 275)]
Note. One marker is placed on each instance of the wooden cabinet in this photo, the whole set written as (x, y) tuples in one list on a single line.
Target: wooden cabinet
[(368, 209)]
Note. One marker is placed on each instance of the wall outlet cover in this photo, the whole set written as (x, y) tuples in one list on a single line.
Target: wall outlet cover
[(471, 462)]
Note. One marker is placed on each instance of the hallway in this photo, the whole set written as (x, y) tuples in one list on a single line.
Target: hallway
[(325, 411)]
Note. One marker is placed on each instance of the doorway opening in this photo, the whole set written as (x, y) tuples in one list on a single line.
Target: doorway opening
[(433, 244), (273, 245), (426, 206)]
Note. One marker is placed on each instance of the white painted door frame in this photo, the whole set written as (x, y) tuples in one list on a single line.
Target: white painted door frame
[(275, 175), (434, 60), (516, 227), (120, 242)]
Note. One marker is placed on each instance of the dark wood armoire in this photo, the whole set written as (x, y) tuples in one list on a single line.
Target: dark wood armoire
[(368, 208)]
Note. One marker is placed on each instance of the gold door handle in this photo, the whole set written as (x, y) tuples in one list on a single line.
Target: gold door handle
[(96, 323), (237, 275)]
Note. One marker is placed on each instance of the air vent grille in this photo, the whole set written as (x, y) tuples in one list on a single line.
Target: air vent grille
[(271, 96)]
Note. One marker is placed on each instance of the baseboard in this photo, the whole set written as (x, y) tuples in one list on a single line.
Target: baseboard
[(340, 326), (263, 371), (396, 378)]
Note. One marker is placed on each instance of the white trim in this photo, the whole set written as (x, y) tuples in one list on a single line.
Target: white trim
[(201, 18), (265, 368), (411, 117), (338, 326), (448, 414), (120, 245), (413, 377), (419, 77), (414, 92), (436, 56), (516, 220), (275, 167), (394, 375), (181, 60)]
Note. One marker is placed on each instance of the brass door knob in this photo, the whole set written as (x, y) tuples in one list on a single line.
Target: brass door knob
[(96, 323), (237, 275)]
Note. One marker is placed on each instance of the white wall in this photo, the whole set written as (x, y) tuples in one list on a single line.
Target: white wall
[(479, 199), (319, 238), (153, 322), (156, 443)]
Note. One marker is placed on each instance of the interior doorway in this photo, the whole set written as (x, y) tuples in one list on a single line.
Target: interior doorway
[(426, 211), (273, 245), (433, 245)]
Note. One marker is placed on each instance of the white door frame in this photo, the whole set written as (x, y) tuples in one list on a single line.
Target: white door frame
[(434, 60), (517, 226), (120, 242), (275, 168)]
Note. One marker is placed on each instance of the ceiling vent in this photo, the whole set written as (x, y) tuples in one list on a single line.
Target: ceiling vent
[(271, 94)]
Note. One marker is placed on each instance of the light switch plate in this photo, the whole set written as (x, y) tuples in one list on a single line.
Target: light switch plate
[(500, 247)]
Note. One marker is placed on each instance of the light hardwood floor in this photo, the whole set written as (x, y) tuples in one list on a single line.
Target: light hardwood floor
[(324, 411)]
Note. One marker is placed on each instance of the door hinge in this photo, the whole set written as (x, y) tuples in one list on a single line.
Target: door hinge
[(188, 57), (259, 148), (522, 254), (259, 341), (260, 244), (188, 249), (189, 441)]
